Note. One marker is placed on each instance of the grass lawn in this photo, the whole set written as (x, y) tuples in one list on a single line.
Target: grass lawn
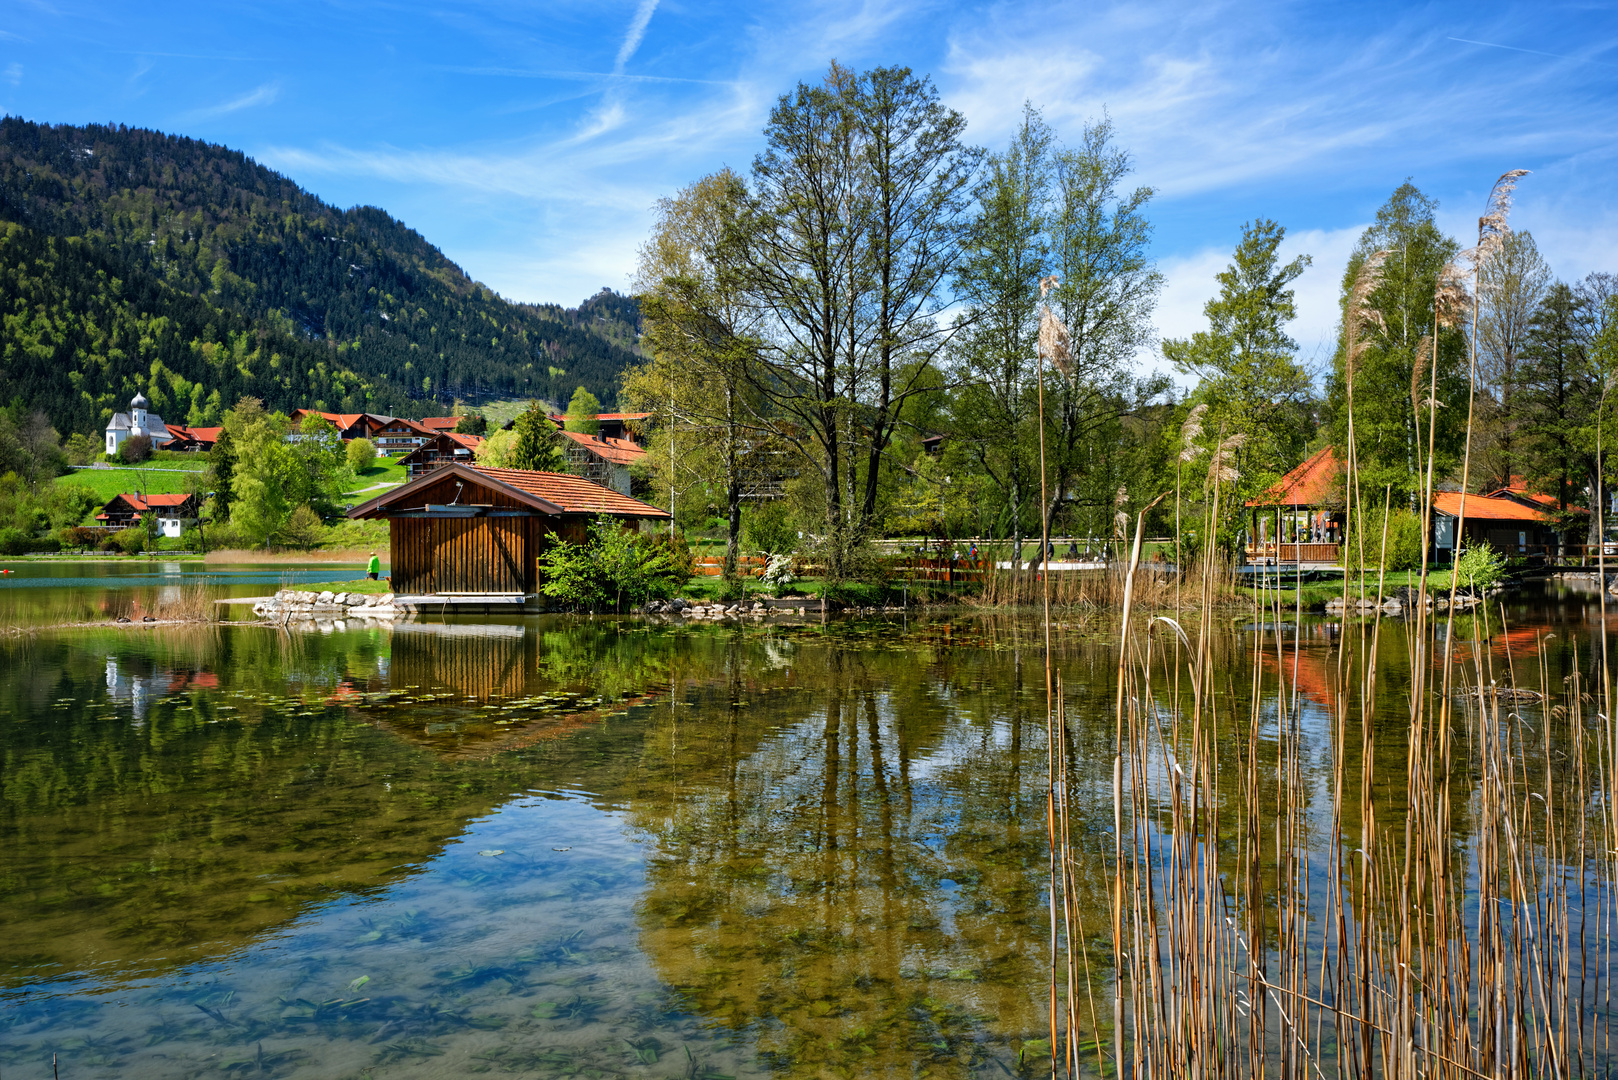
[(384, 471), (149, 480), (363, 585), (1316, 593)]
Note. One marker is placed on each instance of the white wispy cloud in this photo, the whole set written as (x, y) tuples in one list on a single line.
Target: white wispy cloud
[(265, 94), (633, 36), (14, 73)]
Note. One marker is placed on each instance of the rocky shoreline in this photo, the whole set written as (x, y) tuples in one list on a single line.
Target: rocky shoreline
[(289, 605), (1400, 602)]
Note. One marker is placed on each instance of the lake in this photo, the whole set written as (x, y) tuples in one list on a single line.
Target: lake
[(40, 592), (588, 847)]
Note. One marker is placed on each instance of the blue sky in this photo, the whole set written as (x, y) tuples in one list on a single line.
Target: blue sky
[(530, 140)]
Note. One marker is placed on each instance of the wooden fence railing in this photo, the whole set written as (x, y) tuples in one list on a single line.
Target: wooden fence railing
[(1299, 552)]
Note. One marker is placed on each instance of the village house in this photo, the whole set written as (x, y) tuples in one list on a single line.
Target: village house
[(1300, 517), (174, 513), (446, 448), (1509, 525), (196, 440), (466, 537), (391, 434), (603, 459), (630, 426), (139, 420)]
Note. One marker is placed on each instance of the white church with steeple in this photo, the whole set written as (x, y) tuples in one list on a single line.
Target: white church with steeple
[(137, 421)]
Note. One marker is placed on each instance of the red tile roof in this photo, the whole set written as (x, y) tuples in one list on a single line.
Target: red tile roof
[(574, 494), (1317, 482), (440, 423), (1484, 508), (195, 434), (1518, 489), (137, 502), (617, 451), (547, 492)]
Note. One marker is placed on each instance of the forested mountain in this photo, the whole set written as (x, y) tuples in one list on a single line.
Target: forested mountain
[(130, 259)]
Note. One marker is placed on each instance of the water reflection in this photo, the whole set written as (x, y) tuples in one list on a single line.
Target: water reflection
[(554, 848)]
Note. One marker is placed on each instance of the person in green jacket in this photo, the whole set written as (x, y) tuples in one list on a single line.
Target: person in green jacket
[(374, 567)]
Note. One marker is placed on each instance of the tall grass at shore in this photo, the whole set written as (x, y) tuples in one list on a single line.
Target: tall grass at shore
[(1265, 917), (1155, 586)]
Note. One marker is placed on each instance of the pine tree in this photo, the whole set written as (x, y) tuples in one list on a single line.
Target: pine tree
[(535, 447)]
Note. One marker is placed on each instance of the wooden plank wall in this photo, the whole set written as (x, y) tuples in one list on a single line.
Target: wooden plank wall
[(484, 554)]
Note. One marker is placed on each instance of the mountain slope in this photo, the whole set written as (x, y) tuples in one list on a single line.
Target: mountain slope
[(367, 312)]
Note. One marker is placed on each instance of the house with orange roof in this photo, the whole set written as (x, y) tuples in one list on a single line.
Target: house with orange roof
[(469, 538), (630, 426), (447, 447), (602, 458), (192, 439), (391, 434), (1509, 525), (175, 513), (1300, 517)]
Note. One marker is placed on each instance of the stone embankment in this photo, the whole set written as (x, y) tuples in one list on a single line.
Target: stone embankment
[(682, 608), (290, 605), (1400, 602)]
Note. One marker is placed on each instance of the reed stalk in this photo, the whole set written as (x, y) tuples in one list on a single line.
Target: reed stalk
[(1266, 919)]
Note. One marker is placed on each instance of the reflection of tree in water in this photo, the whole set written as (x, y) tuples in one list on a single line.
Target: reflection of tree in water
[(140, 842), (865, 888)]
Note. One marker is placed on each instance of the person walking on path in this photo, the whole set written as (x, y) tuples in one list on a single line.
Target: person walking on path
[(374, 567)]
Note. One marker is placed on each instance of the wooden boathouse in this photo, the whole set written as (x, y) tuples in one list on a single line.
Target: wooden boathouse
[(463, 537)]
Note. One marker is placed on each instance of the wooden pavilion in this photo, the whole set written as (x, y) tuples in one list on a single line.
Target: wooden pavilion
[(1299, 518), (465, 537)]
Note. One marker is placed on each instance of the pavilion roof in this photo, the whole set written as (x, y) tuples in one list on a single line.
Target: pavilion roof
[(1316, 482)]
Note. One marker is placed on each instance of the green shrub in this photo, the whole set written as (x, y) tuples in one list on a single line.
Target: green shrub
[(135, 449), (612, 568), (1403, 541), (79, 537), (1480, 567), (13, 542), (131, 541), (768, 529), (360, 454), (302, 530)]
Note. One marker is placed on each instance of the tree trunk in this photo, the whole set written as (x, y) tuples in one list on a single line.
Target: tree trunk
[(733, 487)]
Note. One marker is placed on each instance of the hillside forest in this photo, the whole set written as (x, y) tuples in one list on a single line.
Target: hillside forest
[(131, 260)]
